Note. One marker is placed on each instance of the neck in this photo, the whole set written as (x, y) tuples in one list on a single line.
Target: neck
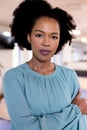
[(41, 67)]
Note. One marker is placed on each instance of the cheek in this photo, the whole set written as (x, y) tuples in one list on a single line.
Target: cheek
[(55, 46), (35, 43)]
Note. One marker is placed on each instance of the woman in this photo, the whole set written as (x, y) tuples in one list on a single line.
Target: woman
[(41, 95)]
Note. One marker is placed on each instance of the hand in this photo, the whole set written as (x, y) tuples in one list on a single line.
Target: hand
[(80, 102)]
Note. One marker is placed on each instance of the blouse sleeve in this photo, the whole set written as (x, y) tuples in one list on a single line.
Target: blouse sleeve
[(74, 84), (18, 109), (21, 114)]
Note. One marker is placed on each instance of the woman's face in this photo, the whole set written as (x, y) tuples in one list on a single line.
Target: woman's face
[(44, 38)]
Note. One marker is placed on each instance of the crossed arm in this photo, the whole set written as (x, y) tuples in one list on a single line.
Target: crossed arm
[(80, 102)]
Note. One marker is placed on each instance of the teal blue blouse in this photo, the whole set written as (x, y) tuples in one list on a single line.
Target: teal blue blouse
[(38, 102)]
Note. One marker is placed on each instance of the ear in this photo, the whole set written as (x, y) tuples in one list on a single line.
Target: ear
[(28, 38)]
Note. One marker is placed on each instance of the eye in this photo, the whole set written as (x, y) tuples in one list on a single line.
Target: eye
[(38, 35), (54, 37)]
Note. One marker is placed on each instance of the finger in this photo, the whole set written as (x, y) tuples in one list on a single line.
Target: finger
[(85, 100), (84, 111)]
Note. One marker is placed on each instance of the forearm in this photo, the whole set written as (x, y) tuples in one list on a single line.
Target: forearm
[(49, 121), (81, 103)]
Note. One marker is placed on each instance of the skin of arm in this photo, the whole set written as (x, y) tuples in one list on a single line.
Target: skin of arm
[(80, 102)]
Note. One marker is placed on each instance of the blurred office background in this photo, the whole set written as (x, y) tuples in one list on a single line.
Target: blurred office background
[(74, 56)]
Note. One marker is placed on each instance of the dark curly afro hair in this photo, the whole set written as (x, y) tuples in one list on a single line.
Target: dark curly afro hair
[(26, 14)]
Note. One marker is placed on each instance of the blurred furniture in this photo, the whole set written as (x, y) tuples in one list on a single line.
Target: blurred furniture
[(84, 93), (4, 124)]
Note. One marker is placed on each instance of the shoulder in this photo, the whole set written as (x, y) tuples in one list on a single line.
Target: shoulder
[(66, 71), (14, 77), (15, 72)]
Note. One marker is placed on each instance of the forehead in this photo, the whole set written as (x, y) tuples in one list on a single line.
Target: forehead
[(44, 21), (45, 18)]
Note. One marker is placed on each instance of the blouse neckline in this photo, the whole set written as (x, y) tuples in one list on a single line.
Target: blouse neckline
[(41, 75)]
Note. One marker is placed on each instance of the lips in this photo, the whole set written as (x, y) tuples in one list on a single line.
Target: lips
[(44, 52)]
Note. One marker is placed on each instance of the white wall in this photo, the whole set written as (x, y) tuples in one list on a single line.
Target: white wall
[(5, 63)]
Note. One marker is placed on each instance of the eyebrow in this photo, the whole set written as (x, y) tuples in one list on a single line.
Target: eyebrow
[(44, 32)]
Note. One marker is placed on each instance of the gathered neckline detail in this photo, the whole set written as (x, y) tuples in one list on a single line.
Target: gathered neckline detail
[(41, 75)]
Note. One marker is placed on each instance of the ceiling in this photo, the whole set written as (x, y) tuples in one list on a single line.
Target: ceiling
[(77, 8)]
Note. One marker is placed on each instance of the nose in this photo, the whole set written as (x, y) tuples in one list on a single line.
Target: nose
[(46, 41)]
